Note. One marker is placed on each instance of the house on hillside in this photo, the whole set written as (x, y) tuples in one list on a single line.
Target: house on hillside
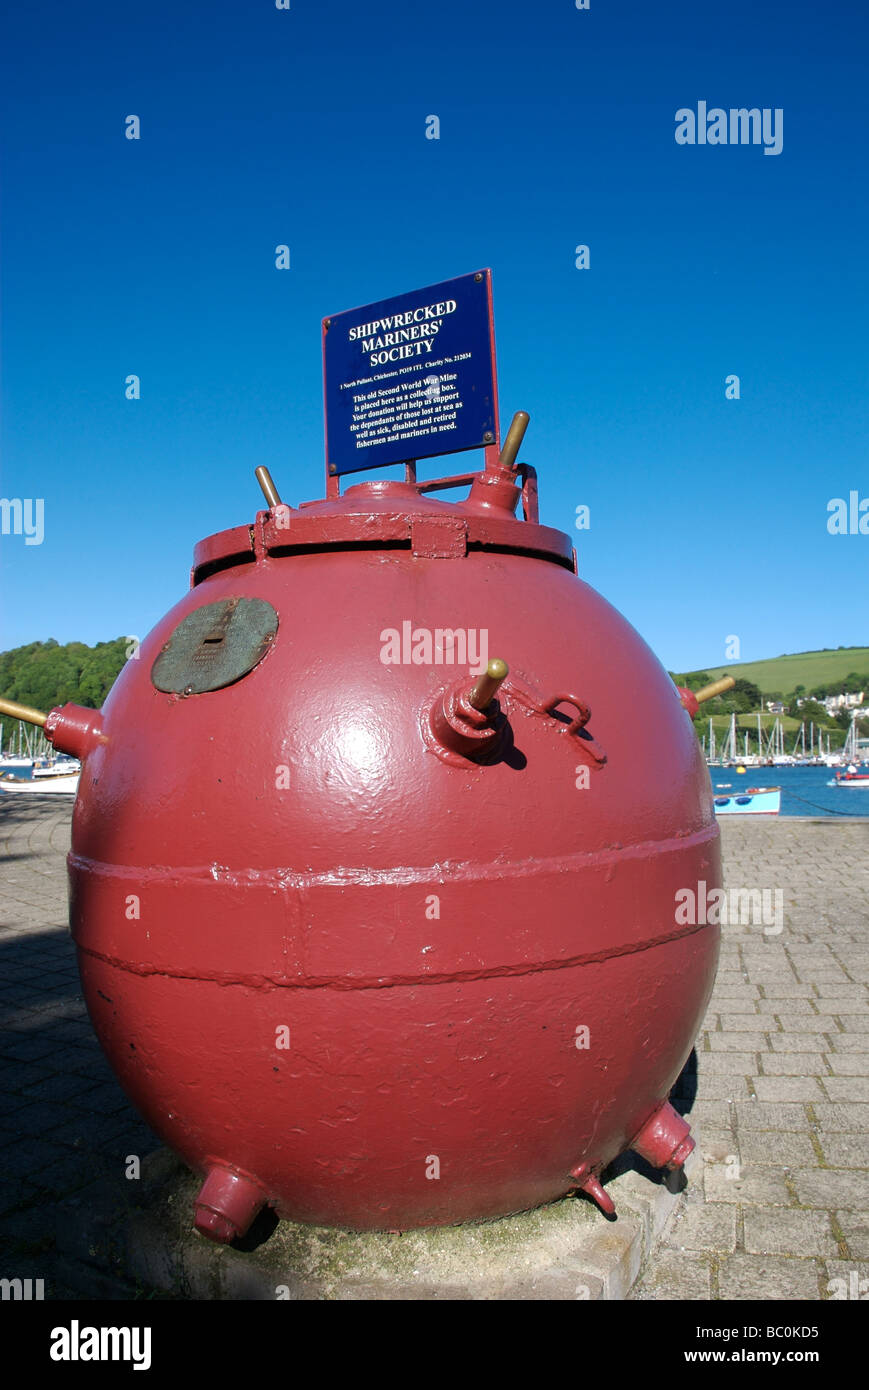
[(833, 703)]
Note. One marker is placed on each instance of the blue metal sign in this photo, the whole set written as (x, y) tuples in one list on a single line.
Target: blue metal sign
[(411, 377)]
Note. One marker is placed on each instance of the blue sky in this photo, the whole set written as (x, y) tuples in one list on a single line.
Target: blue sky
[(307, 127)]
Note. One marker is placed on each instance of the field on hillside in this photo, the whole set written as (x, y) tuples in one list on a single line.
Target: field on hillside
[(783, 673)]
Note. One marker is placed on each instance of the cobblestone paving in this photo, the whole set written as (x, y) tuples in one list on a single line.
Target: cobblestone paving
[(63, 1117), (782, 1102), (783, 1071)]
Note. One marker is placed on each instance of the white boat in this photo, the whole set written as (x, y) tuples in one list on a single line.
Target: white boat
[(63, 784), (34, 767), (59, 767)]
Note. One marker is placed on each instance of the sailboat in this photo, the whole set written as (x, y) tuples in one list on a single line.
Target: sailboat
[(36, 768), (851, 776), (729, 751), (713, 759)]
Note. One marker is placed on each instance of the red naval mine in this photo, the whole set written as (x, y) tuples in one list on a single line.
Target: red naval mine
[(381, 933)]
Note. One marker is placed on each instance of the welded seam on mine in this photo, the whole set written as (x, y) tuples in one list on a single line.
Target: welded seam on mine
[(461, 871), (343, 982)]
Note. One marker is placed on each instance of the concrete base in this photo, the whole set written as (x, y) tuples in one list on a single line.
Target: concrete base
[(139, 1238)]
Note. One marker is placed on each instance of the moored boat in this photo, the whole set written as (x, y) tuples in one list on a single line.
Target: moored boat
[(850, 777), (58, 767), (754, 801), (64, 783)]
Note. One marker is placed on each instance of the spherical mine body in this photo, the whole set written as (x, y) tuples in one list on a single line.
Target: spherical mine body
[(341, 963)]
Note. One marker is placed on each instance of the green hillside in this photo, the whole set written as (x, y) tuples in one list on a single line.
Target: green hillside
[(45, 674), (809, 669)]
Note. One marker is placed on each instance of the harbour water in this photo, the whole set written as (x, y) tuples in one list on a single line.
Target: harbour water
[(804, 790)]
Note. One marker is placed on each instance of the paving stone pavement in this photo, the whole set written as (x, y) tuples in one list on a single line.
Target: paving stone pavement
[(782, 1206), (64, 1120)]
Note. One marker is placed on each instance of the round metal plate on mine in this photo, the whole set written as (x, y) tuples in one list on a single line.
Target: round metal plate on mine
[(215, 645)]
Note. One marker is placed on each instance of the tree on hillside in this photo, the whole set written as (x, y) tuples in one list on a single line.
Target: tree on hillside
[(45, 674), (854, 683), (811, 712), (693, 680), (746, 696)]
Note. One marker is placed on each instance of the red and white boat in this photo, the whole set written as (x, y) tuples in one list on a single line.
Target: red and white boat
[(851, 777)]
